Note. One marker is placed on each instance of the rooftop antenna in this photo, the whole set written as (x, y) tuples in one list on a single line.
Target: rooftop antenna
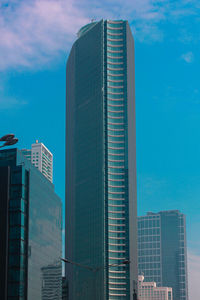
[(92, 20)]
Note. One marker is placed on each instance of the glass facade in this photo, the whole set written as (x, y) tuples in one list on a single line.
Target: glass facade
[(162, 254), (34, 233), (100, 177)]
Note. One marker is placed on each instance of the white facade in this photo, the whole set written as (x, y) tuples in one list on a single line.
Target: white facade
[(41, 158), (149, 291)]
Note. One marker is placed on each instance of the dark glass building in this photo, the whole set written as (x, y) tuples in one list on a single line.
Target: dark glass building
[(101, 204), (162, 252), (30, 239)]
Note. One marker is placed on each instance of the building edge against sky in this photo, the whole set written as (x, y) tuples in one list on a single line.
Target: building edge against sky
[(101, 204)]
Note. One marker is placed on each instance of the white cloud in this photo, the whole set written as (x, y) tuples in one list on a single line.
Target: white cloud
[(188, 57), (32, 32), (35, 32), (193, 275)]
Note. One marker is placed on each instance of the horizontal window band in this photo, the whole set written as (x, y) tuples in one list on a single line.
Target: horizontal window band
[(116, 212), (117, 135), (115, 57), (114, 22), (114, 193), (109, 68), (113, 28), (115, 45), (116, 167), (115, 87), (115, 148), (112, 99), (117, 251), (114, 40), (117, 231), (116, 186), (115, 74), (116, 142), (116, 111), (117, 225), (110, 63), (114, 160), (117, 295), (115, 51), (114, 34), (120, 289), (117, 283), (115, 179), (118, 258), (116, 244), (116, 277), (116, 154), (116, 238), (116, 199), (110, 173), (116, 129), (116, 81), (112, 93), (117, 218), (117, 105), (114, 118), (110, 123), (116, 205)]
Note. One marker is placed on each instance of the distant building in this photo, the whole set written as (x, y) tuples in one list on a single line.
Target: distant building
[(149, 291), (162, 253), (30, 226), (41, 158)]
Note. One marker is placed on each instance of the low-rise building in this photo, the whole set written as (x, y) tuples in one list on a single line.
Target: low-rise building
[(149, 291)]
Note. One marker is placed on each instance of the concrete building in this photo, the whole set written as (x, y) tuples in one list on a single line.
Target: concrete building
[(41, 158), (30, 226), (162, 251), (101, 204), (149, 291)]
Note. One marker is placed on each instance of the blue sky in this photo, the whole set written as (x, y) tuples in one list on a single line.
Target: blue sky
[(35, 39)]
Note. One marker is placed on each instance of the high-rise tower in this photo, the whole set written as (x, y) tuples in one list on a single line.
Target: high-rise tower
[(101, 204), (162, 252)]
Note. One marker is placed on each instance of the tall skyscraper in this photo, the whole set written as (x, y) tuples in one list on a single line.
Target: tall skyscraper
[(30, 226), (41, 158), (162, 252), (101, 204)]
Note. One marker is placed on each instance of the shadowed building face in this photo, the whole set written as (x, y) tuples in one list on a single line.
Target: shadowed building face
[(101, 204)]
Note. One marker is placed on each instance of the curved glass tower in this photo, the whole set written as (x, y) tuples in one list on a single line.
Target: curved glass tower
[(101, 204)]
